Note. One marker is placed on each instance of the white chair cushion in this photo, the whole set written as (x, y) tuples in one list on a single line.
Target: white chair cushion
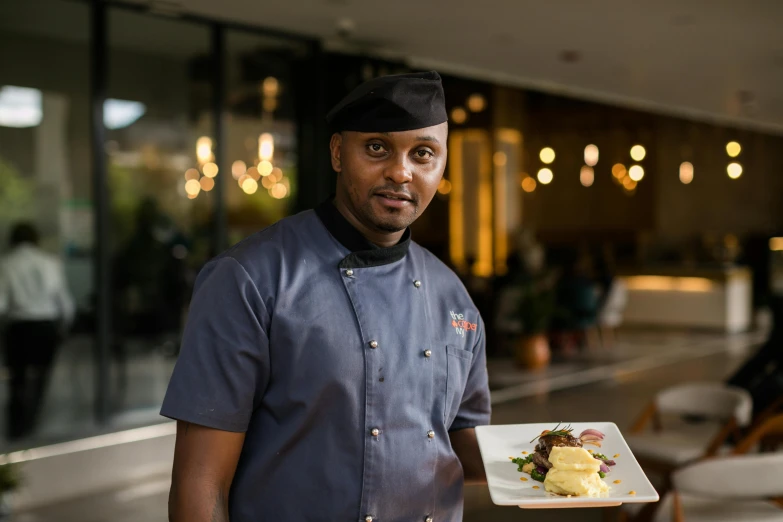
[(679, 446), (737, 477), (698, 509)]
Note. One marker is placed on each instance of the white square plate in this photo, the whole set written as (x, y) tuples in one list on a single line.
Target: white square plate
[(498, 443)]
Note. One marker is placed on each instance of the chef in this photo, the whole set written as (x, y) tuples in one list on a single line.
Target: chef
[(331, 368)]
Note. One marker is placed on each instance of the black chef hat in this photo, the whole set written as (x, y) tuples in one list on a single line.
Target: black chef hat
[(390, 104)]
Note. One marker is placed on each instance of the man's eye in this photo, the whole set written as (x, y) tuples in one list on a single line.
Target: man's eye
[(424, 153), (375, 147)]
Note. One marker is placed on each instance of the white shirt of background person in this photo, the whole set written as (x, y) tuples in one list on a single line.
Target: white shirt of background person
[(33, 287)]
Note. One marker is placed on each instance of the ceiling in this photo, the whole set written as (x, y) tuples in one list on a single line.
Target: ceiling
[(715, 60), (710, 60)]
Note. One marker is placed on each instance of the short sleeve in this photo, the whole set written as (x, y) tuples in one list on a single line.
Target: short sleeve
[(223, 365), (475, 409)]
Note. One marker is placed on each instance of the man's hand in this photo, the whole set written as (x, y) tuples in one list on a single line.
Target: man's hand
[(205, 460), (466, 447)]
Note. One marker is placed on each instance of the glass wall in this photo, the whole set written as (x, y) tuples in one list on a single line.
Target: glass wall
[(47, 382), (161, 174), (261, 130), (180, 188)]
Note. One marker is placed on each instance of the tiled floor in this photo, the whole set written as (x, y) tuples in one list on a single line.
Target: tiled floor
[(617, 392)]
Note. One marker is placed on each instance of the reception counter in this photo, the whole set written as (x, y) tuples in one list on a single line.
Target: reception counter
[(718, 299)]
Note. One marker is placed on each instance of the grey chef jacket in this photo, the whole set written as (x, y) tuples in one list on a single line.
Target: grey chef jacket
[(346, 365)]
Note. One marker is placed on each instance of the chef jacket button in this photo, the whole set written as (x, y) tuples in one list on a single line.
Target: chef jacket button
[(368, 518), (428, 519), (373, 344), (375, 432), (431, 434), (349, 272), (417, 283), (427, 353)]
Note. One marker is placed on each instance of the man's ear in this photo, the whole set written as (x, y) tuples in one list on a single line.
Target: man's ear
[(336, 148)]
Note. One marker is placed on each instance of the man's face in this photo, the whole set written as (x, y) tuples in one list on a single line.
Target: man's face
[(388, 179)]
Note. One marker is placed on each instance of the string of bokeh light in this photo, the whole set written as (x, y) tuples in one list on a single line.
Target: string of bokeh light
[(247, 178), (734, 169)]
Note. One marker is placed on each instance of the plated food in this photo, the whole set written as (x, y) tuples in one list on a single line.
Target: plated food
[(560, 466), (564, 466)]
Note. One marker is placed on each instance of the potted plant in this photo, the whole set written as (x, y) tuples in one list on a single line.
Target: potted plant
[(535, 309), (10, 479)]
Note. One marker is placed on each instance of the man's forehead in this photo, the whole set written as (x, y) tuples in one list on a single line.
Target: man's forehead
[(436, 134)]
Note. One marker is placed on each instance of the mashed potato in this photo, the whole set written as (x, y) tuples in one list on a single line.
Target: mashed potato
[(574, 472)]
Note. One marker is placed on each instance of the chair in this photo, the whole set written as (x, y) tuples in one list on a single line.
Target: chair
[(732, 488), (610, 316), (767, 435), (720, 411)]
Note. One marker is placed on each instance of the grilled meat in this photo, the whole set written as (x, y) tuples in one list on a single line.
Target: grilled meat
[(556, 440), (540, 460), (545, 445)]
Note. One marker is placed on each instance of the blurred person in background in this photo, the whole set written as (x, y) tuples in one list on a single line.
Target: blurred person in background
[(38, 308), (577, 304), (331, 368)]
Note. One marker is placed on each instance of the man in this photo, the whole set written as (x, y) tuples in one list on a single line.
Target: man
[(332, 369), (34, 298)]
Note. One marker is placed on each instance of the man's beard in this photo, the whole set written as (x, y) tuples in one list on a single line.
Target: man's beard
[(394, 221)]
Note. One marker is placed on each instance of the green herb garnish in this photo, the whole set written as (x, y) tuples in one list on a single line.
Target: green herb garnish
[(519, 461), (535, 475), (557, 432)]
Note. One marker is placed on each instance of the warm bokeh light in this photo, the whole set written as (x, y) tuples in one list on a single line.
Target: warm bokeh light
[(192, 187), (192, 196), (636, 173), (528, 184), (629, 184), (591, 155), (638, 152), (278, 191), (586, 176), (686, 172), (265, 168), (266, 147), (249, 186), (733, 149), (618, 170), (459, 115), (192, 174), (270, 86), (276, 175), (545, 176), (204, 149), (207, 184), (734, 170), (270, 104), (477, 103), (500, 159), (210, 170), (776, 244), (668, 283), (444, 187), (267, 182), (547, 155), (253, 173), (238, 168)]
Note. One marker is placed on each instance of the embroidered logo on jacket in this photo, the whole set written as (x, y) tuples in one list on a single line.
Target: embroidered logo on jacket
[(461, 325)]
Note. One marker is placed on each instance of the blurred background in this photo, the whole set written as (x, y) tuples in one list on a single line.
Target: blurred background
[(611, 201)]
